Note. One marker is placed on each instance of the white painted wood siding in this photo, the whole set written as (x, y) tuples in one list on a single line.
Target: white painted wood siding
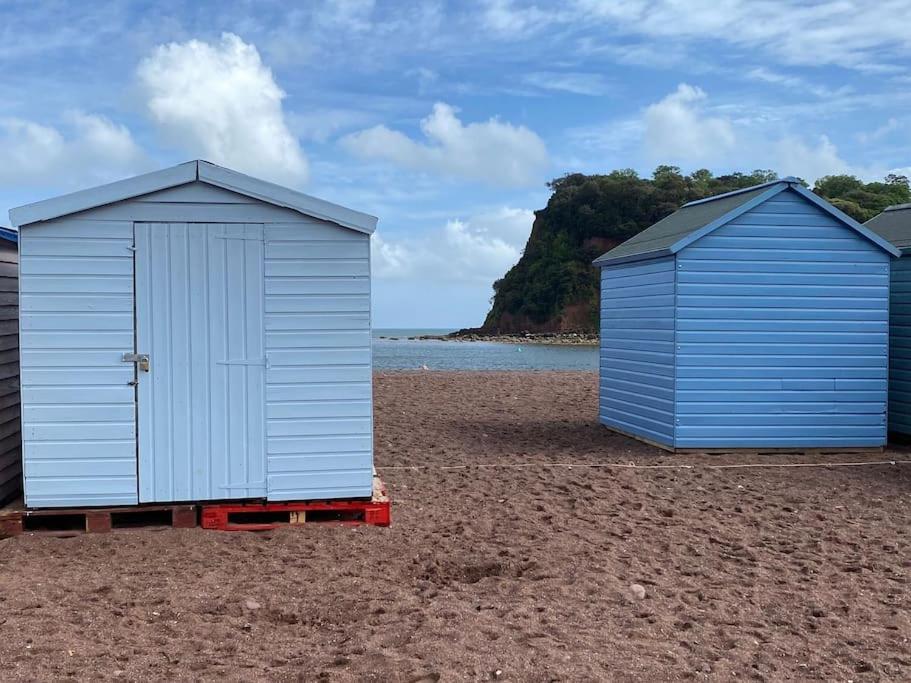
[(319, 406), (76, 320)]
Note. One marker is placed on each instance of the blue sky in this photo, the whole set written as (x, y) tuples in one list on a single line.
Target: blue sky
[(446, 119)]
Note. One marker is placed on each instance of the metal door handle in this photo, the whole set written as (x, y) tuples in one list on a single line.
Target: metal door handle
[(141, 360)]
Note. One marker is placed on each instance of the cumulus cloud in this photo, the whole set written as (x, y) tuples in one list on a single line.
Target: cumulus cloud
[(84, 149), (677, 127), (475, 250), (219, 101), (682, 129), (493, 151)]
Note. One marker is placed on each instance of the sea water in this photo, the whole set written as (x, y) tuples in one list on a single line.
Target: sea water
[(393, 350)]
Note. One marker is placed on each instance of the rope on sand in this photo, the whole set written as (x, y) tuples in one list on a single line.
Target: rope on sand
[(632, 466)]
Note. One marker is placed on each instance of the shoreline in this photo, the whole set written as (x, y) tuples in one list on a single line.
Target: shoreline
[(538, 338)]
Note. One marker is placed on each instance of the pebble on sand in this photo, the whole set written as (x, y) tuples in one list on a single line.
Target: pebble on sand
[(637, 591), (252, 604)]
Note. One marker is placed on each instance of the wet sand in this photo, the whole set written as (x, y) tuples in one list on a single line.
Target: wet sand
[(496, 567)]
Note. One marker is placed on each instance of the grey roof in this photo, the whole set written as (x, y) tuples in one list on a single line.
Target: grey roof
[(699, 218), (893, 224), (689, 218)]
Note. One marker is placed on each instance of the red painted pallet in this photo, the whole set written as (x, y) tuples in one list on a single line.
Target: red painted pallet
[(267, 516), (15, 519)]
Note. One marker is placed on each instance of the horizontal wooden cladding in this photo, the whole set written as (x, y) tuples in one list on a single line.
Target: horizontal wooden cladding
[(808, 440), (760, 420), (319, 321), (77, 339), (281, 341), (786, 314), (751, 298), (316, 249), (314, 485), (351, 267), (781, 333), (318, 303), (774, 405), (632, 424), (768, 263), (319, 380), (794, 371), (78, 423), (784, 254), (319, 427), (73, 321), (637, 349), (345, 285), (77, 302), (79, 284), (776, 279), (291, 409), (847, 433), (75, 265), (93, 247), (327, 462), (319, 444)]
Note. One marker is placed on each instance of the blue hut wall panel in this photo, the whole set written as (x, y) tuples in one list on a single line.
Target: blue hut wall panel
[(256, 321), (900, 347), (782, 333), (637, 349), (772, 333)]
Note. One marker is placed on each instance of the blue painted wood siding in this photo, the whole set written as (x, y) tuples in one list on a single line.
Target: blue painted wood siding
[(76, 319), (319, 394), (637, 349), (782, 333), (900, 346)]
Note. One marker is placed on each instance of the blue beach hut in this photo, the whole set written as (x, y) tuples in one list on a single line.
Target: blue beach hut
[(754, 319), (894, 224), (194, 334)]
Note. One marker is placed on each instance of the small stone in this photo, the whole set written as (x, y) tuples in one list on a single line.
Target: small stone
[(638, 591), (252, 604), (497, 673), (247, 627)]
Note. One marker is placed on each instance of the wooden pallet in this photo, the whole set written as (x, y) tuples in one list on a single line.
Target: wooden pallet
[(267, 516), (15, 519)]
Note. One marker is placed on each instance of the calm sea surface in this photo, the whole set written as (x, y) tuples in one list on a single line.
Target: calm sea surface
[(404, 354)]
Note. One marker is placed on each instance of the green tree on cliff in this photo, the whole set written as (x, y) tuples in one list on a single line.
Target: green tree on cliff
[(554, 287)]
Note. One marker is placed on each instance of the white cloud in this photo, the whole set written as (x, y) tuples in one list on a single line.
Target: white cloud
[(479, 249), (88, 149), (686, 129), (867, 36), (576, 83), (219, 101), (511, 21), (678, 128), (493, 151)]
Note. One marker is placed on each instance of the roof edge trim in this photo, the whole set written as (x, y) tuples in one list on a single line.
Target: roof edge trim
[(881, 242), (742, 190), (282, 196), (774, 189), (601, 262), (94, 197), (202, 171)]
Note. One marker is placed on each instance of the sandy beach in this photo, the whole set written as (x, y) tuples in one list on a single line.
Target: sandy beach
[(498, 567)]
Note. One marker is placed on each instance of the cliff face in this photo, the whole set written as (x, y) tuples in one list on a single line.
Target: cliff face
[(554, 287)]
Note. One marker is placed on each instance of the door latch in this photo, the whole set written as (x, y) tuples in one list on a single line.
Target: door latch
[(141, 360)]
